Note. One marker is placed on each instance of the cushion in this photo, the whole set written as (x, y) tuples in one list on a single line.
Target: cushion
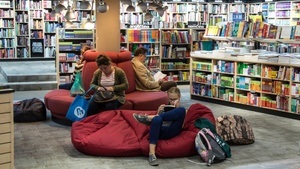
[(116, 133), (150, 101)]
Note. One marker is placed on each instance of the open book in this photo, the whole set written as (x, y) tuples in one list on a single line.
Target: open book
[(159, 75)]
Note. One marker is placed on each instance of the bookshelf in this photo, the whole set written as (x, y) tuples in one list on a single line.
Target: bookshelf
[(147, 38), (50, 25), (22, 28), (260, 84), (7, 31), (68, 45), (175, 53), (36, 26)]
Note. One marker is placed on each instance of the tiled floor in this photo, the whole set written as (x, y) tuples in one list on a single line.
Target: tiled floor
[(47, 145)]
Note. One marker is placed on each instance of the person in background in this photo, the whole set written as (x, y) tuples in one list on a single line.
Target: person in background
[(110, 78), (78, 68), (143, 77), (165, 124)]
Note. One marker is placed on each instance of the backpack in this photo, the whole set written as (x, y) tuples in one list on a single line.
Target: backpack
[(235, 129), (208, 147), (29, 110)]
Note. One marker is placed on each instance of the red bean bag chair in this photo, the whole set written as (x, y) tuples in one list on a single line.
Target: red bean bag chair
[(117, 133)]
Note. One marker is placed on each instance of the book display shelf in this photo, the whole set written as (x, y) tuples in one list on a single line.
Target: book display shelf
[(266, 78), (68, 50)]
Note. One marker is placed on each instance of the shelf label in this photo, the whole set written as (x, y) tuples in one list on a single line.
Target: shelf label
[(238, 1), (219, 1), (138, 26), (195, 24)]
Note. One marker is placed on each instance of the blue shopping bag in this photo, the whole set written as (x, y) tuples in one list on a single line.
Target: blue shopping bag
[(78, 109)]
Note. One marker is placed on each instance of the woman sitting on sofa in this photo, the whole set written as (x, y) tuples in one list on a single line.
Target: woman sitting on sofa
[(166, 124), (110, 78)]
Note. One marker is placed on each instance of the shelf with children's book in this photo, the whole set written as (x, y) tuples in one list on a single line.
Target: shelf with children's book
[(264, 85)]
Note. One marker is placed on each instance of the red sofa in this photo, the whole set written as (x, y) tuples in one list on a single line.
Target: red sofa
[(58, 101), (117, 133)]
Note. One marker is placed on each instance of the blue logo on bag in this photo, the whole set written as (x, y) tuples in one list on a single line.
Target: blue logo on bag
[(79, 112)]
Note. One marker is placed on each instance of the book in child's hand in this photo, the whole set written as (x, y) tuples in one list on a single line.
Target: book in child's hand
[(168, 108), (159, 75)]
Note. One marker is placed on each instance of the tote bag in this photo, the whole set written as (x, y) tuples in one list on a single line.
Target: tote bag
[(78, 109), (77, 87)]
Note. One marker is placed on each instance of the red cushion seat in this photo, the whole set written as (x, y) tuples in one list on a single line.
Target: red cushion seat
[(116, 133)]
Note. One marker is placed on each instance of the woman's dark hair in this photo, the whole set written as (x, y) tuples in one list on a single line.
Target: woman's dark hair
[(102, 59), (140, 50)]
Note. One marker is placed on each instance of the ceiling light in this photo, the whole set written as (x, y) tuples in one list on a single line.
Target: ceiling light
[(130, 8), (148, 16), (70, 15), (89, 24), (160, 11), (59, 8), (68, 24), (85, 5), (143, 6), (53, 13), (102, 7), (126, 2)]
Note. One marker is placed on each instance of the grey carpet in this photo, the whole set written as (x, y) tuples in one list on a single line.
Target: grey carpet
[(47, 145)]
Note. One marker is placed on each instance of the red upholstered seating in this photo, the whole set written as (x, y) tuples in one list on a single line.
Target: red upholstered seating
[(116, 133), (59, 100)]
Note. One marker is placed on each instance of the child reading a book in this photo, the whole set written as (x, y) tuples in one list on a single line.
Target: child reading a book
[(165, 124), (143, 77)]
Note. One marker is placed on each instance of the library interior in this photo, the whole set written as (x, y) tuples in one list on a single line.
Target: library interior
[(232, 57)]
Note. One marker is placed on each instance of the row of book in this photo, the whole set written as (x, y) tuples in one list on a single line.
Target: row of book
[(4, 23), (181, 76), (213, 91), (275, 87), (7, 43), (169, 37), (170, 52), (7, 53), (254, 29), (69, 46), (6, 13), (22, 17), (152, 49), (135, 35), (248, 98), (247, 83), (176, 65), (248, 69), (278, 102), (76, 34), (295, 106), (4, 33), (37, 34)]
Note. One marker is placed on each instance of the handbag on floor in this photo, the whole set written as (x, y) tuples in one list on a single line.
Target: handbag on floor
[(78, 108)]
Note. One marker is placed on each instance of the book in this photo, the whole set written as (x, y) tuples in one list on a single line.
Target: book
[(168, 108), (159, 75)]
